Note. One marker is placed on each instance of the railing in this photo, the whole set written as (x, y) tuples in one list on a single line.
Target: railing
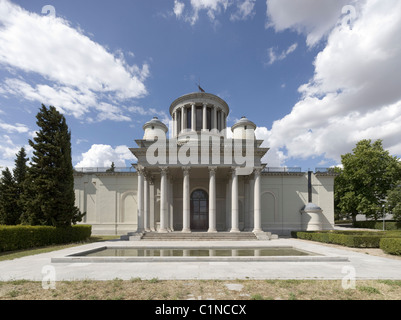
[(325, 170), (104, 170), (283, 169)]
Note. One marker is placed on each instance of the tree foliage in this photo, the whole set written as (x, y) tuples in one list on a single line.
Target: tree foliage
[(9, 214), (367, 175), (394, 201), (49, 197)]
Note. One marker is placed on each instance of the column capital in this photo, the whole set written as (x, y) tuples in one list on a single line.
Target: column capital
[(212, 170), (257, 171), (163, 170), (186, 170)]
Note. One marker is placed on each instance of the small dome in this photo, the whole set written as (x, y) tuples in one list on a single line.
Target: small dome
[(152, 128), (244, 129), (242, 123)]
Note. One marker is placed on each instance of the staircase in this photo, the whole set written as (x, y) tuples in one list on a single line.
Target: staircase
[(199, 236)]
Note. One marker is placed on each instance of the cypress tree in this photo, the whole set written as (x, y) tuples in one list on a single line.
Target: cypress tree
[(19, 178), (9, 213), (49, 197)]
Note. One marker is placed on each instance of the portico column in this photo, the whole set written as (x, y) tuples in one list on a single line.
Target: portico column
[(186, 202), (163, 200), (257, 202), (212, 199), (234, 201), (204, 119), (140, 200), (193, 117), (146, 202), (152, 204)]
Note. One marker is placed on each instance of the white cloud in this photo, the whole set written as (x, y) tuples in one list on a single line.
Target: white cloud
[(178, 8), (273, 56), (17, 128), (102, 156), (81, 72), (315, 18), (354, 93), (243, 9)]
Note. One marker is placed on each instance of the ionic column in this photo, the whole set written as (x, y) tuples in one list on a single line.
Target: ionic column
[(212, 199), (204, 120), (146, 203), (140, 200), (257, 202), (193, 117), (152, 204), (186, 227), (163, 200), (171, 203), (234, 201)]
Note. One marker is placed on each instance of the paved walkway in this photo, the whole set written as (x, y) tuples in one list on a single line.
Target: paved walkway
[(360, 265)]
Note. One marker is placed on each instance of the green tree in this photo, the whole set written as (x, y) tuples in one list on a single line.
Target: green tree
[(111, 169), (368, 173), (394, 201), (19, 178), (49, 197), (9, 213)]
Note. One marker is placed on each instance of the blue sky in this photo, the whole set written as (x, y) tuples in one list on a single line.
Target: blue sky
[(313, 78)]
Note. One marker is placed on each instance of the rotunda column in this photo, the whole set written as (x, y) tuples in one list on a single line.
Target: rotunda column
[(204, 119), (146, 202), (193, 117)]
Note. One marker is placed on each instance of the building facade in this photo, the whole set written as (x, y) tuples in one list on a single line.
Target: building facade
[(196, 179)]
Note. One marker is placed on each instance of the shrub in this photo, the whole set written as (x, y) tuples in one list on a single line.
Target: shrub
[(26, 237), (389, 225), (391, 245)]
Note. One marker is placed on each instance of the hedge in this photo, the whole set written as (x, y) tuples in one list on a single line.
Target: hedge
[(391, 245), (26, 237), (349, 239), (389, 225)]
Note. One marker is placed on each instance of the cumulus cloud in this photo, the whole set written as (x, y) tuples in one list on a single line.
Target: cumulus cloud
[(77, 72), (354, 93), (314, 18), (102, 156)]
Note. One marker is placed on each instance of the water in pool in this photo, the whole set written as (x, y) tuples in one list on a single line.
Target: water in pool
[(196, 252)]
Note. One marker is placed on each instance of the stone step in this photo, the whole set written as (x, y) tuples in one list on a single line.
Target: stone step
[(199, 236)]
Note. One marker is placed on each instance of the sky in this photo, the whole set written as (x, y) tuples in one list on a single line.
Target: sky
[(315, 76)]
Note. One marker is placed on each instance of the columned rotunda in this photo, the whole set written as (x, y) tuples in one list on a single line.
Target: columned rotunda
[(199, 176)]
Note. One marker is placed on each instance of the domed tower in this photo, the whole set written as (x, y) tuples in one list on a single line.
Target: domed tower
[(151, 129), (244, 129), (198, 112)]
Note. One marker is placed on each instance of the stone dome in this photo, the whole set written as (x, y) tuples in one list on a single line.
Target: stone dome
[(152, 129)]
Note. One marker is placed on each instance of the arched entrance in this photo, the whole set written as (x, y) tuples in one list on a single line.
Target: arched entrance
[(199, 210)]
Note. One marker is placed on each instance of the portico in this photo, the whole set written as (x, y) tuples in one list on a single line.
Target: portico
[(208, 190)]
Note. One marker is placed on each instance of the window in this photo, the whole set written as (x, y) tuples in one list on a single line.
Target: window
[(189, 118), (178, 117), (209, 118)]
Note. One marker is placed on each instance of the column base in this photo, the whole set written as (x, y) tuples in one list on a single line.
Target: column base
[(186, 231), (212, 231), (163, 231), (235, 230), (257, 230)]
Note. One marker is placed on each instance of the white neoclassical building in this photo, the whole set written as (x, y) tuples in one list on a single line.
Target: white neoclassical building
[(196, 179)]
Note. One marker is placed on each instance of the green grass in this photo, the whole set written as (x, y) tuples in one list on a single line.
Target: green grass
[(11, 255)]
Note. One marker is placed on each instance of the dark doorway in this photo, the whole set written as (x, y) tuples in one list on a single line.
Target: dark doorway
[(199, 210)]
